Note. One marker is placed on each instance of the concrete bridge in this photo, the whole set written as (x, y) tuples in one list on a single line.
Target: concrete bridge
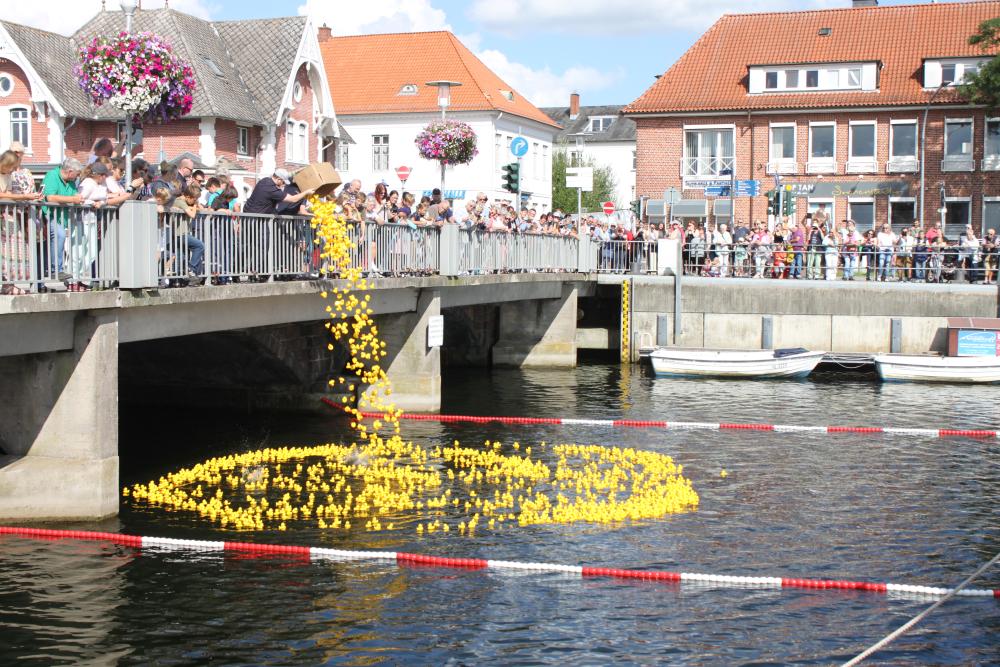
[(65, 357)]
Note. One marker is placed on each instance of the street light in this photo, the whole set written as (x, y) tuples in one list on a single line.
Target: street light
[(580, 138), (444, 101), (923, 147), (129, 7)]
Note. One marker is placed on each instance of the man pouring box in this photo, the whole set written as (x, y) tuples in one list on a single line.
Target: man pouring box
[(319, 176)]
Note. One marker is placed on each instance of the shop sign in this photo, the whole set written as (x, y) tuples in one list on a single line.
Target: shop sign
[(851, 189)]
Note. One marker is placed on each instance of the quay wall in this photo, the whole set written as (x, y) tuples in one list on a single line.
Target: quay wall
[(833, 317)]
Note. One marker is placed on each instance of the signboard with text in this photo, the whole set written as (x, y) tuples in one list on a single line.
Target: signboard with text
[(978, 343), (851, 189), (580, 177)]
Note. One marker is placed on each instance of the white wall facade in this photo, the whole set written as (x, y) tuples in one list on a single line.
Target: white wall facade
[(620, 157), (483, 174)]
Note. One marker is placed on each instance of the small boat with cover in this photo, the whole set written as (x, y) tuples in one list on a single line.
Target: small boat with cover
[(700, 362)]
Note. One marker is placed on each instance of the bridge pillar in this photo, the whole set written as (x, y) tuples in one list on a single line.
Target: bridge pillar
[(540, 332), (59, 427), (413, 368)]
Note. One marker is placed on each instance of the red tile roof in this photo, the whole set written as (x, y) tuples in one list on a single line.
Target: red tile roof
[(366, 73), (712, 74)]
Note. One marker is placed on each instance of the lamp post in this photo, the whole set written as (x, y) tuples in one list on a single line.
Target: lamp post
[(444, 101), (579, 137), (923, 147), (128, 6)]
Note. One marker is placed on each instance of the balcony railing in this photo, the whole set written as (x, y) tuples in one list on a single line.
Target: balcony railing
[(707, 167)]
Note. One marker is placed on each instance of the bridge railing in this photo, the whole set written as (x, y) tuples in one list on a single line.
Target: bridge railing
[(42, 245)]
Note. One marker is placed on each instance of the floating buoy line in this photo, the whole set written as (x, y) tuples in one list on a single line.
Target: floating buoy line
[(412, 559)]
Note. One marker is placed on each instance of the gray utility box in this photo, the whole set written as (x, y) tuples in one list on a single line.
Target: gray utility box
[(138, 245)]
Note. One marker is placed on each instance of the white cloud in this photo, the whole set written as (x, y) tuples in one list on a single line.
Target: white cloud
[(376, 16), (67, 16), (543, 87), (636, 16)]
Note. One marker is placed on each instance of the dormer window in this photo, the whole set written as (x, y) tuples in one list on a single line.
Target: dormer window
[(601, 123), (798, 78), (408, 89), (950, 71)]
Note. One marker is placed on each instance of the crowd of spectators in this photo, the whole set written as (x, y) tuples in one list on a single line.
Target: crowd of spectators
[(193, 205), (816, 249)]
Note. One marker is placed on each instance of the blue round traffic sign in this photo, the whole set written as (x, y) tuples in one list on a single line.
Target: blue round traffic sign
[(519, 146)]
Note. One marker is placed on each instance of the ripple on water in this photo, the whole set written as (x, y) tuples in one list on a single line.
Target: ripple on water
[(914, 510)]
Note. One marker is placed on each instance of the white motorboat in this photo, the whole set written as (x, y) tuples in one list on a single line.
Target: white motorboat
[(699, 362), (937, 368)]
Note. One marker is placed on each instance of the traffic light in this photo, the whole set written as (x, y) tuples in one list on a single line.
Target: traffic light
[(789, 209), (511, 176), (772, 202), (637, 208)]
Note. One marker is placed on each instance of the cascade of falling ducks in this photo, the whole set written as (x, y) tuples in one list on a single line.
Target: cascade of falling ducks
[(382, 483)]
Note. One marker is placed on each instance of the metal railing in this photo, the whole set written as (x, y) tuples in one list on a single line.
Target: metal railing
[(626, 256), (832, 262), (707, 166), (503, 252), (391, 249), (42, 245)]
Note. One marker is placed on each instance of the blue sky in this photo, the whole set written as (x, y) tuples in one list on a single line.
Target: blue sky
[(608, 52)]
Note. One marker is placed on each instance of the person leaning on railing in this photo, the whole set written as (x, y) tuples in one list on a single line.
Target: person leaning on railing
[(16, 184), (59, 187), (186, 209), (851, 244)]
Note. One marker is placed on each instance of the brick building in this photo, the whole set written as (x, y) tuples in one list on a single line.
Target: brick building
[(262, 100), (832, 104)]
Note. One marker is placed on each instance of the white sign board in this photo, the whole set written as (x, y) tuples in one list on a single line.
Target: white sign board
[(435, 331), (580, 177)]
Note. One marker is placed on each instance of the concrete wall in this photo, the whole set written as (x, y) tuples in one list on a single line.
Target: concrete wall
[(832, 317)]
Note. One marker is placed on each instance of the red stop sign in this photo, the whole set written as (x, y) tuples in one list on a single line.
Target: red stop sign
[(609, 207), (403, 173)]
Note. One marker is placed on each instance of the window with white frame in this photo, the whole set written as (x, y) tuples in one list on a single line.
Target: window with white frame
[(958, 214), (343, 156), (782, 149), (546, 164), (708, 151), (991, 214), (950, 72), (536, 158), (497, 152), (822, 148), (6, 84), (991, 145), (296, 142), (957, 145), (813, 205), (242, 140), (862, 212), (837, 76), (601, 123), (902, 213), (861, 149), (380, 152), (20, 126), (903, 146), (635, 160)]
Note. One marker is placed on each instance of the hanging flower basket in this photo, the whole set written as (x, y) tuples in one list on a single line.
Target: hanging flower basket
[(137, 73), (447, 141)]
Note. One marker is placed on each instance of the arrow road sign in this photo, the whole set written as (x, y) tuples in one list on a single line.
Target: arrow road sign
[(717, 191), (519, 146)]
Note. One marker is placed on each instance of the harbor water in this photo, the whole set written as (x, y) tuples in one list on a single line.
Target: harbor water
[(845, 506)]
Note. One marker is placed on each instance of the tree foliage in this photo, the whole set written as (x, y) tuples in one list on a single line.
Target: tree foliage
[(983, 87), (564, 198)]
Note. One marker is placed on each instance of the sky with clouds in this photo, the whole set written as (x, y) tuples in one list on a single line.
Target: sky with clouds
[(545, 49)]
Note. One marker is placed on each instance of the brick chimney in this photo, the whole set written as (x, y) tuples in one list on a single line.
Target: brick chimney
[(574, 105), (324, 33)]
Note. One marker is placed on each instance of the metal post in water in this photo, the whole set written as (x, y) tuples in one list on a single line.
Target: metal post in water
[(677, 293)]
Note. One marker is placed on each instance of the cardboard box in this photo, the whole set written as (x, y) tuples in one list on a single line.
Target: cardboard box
[(319, 176)]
